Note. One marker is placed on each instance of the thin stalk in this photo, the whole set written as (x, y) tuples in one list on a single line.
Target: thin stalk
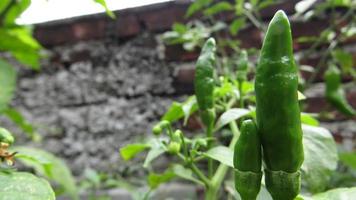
[(209, 134), (216, 181), (200, 175)]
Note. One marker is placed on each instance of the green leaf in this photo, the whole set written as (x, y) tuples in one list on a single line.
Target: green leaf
[(196, 6), (344, 59), (15, 11), (57, 170), (3, 5), (308, 119), (304, 5), (21, 44), (179, 110), (348, 158), (236, 25), (16, 117), (221, 154), (131, 150), (156, 150), (320, 157), (217, 8), (339, 3), (230, 115), (24, 186), (179, 28), (154, 180), (28, 58), (7, 82), (239, 7), (337, 194), (107, 10), (185, 173)]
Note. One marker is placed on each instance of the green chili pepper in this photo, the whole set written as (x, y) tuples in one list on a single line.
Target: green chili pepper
[(277, 111), (247, 161), (6, 136), (334, 92), (204, 82)]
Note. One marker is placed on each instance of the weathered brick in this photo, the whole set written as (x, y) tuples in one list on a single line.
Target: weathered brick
[(127, 25)]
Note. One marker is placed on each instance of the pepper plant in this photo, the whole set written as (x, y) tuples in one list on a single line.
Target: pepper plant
[(266, 112), (17, 44)]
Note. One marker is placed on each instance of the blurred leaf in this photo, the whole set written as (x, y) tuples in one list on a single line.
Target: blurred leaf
[(58, 172), (16, 117), (131, 150), (15, 11), (21, 44), (196, 6), (154, 180), (185, 173), (3, 5), (107, 10), (217, 8), (218, 26), (179, 110), (348, 158), (8, 84), (230, 115), (349, 30), (24, 186), (344, 59), (306, 68), (304, 5), (236, 25), (320, 157), (156, 150), (337, 194), (92, 176), (339, 3), (28, 58), (307, 39), (266, 3), (179, 28), (239, 7), (221, 154), (309, 119), (223, 90)]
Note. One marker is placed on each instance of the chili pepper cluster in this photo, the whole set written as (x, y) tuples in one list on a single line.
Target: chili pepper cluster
[(277, 132)]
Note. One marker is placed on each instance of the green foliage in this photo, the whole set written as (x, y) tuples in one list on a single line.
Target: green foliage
[(348, 158), (50, 166), (337, 194), (180, 110), (24, 186), (231, 115), (222, 154), (16, 117), (8, 84), (154, 180), (14, 11), (320, 157), (129, 151)]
